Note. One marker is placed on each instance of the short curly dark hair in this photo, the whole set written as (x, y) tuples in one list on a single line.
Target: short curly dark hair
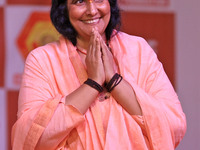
[(60, 19)]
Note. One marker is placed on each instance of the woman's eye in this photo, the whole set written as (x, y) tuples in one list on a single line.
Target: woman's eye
[(79, 1)]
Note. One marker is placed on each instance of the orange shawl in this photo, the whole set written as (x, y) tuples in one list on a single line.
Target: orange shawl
[(55, 70)]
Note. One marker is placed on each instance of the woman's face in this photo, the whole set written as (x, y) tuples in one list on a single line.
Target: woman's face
[(87, 14)]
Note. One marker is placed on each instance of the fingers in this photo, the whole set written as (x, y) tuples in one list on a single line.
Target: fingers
[(103, 49), (92, 44), (98, 48), (95, 46), (93, 59)]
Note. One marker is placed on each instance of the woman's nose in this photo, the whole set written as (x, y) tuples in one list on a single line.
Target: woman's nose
[(91, 8)]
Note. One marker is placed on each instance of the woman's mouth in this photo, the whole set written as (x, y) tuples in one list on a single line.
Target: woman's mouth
[(92, 21)]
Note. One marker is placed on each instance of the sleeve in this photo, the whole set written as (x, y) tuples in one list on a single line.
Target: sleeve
[(163, 118), (43, 118)]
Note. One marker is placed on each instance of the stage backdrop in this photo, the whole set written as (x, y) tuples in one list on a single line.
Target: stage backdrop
[(25, 25)]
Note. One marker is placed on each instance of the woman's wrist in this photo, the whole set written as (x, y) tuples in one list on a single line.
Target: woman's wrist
[(113, 82), (94, 85)]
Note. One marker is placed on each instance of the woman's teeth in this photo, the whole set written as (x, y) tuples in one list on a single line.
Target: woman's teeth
[(92, 21)]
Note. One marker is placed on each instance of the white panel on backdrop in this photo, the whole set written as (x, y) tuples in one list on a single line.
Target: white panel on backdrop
[(3, 121), (2, 2), (15, 18), (147, 5)]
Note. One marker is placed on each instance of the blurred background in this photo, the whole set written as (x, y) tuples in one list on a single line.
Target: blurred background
[(172, 28)]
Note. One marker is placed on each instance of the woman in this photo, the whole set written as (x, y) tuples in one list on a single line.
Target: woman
[(96, 88)]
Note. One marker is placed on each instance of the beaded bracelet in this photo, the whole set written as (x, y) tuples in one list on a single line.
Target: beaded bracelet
[(94, 85), (115, 80)]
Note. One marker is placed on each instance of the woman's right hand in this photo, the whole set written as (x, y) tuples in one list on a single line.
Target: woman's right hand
[(93, 59)]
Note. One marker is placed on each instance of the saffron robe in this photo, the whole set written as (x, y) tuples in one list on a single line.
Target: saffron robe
[(55, 70)]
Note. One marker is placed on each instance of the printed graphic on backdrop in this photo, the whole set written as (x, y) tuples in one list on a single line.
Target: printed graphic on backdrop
[(16, 19), (37, 31), (158, 30)]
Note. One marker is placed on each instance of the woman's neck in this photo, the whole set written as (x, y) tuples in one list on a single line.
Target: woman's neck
[(82, 43)]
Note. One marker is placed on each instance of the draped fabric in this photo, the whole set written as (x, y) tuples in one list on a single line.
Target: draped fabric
[(55, 70)]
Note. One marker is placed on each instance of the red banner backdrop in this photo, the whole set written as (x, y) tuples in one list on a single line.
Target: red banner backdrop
[(158, 30), (12, 104)]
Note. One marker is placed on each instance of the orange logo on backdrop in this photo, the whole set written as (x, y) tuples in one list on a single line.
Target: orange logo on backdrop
[(38, 31)]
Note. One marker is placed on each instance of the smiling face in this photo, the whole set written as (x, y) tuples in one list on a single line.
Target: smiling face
[(87, 14)]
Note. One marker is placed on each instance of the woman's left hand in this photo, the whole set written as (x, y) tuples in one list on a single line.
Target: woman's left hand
[(108, 61)]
